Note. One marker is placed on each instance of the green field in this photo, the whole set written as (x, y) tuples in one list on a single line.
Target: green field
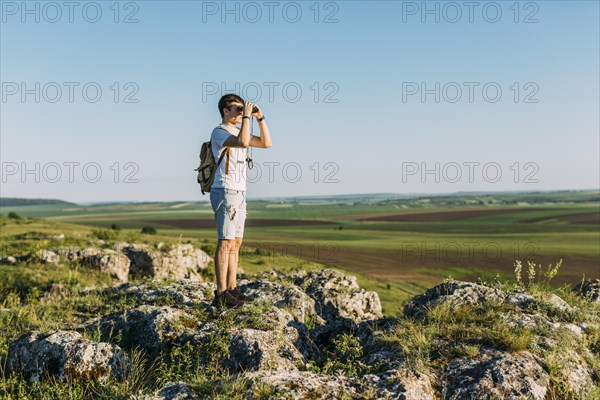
[(466, 237)]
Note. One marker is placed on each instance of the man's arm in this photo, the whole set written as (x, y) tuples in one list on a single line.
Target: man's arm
[(243, 138), (264, 141)]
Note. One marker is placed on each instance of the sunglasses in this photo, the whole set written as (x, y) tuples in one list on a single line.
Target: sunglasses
[(237, 108)]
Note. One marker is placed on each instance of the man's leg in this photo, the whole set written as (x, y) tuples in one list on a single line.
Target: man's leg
[(223, 254), (234, 257)]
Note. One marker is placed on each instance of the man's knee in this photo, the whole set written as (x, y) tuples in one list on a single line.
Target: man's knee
[(226, 244)]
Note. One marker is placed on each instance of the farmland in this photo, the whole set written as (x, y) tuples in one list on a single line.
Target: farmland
[(406, 244)]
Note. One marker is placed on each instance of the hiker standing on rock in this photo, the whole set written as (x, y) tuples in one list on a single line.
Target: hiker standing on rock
[(228, 192)]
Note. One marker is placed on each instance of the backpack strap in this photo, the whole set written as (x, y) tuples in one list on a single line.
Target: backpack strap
[(226, 152), (221, 158)]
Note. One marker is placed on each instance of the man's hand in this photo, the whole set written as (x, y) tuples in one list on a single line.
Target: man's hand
[(248, 108), (259, 113)]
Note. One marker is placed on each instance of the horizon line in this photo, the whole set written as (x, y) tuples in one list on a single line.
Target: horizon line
[(274, 198)]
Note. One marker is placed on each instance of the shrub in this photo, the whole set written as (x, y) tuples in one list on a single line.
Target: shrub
[(104, 234), (149, 230), (14, 215)]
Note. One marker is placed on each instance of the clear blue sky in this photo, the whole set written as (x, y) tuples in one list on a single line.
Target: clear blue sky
[(374, 62)]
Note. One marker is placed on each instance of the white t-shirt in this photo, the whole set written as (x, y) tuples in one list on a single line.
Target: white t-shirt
[(236, 177)]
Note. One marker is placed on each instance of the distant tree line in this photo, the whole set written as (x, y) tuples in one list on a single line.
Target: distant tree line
[(13, 201)]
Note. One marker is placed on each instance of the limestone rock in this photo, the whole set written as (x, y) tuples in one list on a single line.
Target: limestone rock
[(48, 257), (290, 297), (176, 391), (147, 327), (10, 260), (389, 385), (496, 374), (65, 353), (278, 342), (455, 293), (178, 262), (338, 296), (183, 293)]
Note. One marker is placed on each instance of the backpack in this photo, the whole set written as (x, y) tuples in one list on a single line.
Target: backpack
[(208, 167)]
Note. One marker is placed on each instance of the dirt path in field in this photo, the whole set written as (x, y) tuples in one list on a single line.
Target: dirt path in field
[(441, 215), (583, 218), (209, 223)]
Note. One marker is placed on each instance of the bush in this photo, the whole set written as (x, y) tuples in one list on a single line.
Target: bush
[(104, 234), (14, 215), (115, 227), (149, 230)]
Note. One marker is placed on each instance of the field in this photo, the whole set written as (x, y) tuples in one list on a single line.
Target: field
[(402, 245)]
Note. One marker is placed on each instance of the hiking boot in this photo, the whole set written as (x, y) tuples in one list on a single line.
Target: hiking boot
[(226, 299), (240, 296)]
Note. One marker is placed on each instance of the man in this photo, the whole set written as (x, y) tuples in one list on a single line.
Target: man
[(228, 191)]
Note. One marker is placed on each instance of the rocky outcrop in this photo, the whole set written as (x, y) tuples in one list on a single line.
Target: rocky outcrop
[(48, 257), (494, 374), (275, 342), (396, 384), (287, 296), (319, 335), (338, 296), (176, 391), (158, 262), (65, 354), (589, 288), (454, 293), (184, 293), (181, 261), (106, 260), (10, 260), (147, 327)]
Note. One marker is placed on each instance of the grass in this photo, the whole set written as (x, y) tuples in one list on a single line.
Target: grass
[(46, 297)]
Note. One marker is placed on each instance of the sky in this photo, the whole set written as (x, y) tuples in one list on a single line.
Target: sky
[(111, 100)]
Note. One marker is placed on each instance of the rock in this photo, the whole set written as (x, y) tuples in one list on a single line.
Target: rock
[(65, 354), (159, 262), (400, 384), (179, 262), (109, 261), (338, 296), (148, 327), (576, 373), (455, 293), (308, 385), (589, 288), (288, 296), (495, 374), (275, 342), (377, 353), (56, 292), (252, 350), (184, 293), (521, 299), (106, 260), (559, 304), (176, 391), (10, 260), (48, 257)]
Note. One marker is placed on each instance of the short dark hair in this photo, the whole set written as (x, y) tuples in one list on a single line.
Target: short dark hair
[(227, 100)]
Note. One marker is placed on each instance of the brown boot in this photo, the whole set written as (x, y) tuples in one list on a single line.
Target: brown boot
[(226, 299), (240, 296)]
